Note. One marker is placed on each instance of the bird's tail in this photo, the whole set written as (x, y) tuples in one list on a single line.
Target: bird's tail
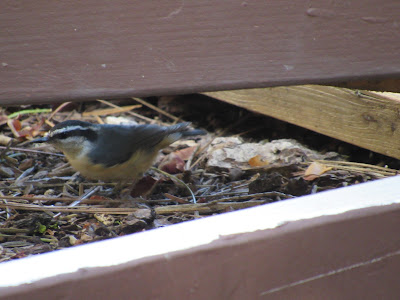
[(184, 130)]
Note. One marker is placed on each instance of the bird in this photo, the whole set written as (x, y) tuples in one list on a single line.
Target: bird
[(113, 152)]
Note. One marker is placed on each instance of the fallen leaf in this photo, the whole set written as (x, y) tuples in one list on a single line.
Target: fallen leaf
[(186, 153), (98, 197), (3, 119), (173, 164), (132, 225), (257, 161), (72, 240), (6, 172), (29, 131), (143, 214), (26, 164), (86, 238), (144, 185), (32, 131), (15, 126), (106, 219), (4, 140), (315, 170)]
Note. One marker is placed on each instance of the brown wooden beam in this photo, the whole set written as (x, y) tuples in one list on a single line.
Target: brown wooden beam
[(366, 119), (63, 50)]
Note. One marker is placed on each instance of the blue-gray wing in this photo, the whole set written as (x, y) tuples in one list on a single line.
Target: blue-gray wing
[(119, 143)]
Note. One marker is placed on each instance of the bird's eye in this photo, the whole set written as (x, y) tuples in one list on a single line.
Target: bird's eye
[(62, 135)]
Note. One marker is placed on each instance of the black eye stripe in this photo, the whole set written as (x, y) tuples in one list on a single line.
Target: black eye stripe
[(61, 135), (88, 133)]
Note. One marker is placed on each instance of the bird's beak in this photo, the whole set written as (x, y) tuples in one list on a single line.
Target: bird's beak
[(40, 140)]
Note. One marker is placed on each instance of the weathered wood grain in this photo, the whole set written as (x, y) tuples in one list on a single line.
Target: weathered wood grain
[(366, 119), (74, 50)]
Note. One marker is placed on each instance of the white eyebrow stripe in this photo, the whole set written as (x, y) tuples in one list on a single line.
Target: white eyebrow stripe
[(71, 128)]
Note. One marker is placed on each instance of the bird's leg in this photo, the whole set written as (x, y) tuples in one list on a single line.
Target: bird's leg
[(126, 192), (118, 187)]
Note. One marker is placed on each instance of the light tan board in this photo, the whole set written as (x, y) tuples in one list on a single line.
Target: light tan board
[(366, 119)]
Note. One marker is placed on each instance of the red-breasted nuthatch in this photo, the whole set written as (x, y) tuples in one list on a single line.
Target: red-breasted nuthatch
[(113, 152)]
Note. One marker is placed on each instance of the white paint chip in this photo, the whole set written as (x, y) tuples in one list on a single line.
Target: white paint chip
[(288, 67)]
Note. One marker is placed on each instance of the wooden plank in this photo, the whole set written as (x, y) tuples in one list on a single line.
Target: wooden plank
[(340, 244), (70, 50), (366, 119)]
